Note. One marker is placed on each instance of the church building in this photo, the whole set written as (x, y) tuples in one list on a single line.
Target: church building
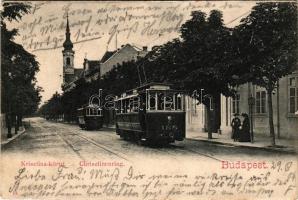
[(69, 72)]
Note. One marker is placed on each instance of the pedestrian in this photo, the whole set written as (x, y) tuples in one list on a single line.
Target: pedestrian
[(236, 123), (245, 129)]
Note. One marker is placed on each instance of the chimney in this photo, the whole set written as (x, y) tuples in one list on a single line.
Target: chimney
[(145, 48)]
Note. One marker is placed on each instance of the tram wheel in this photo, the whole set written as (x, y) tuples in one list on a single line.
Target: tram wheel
[(138, 139), (121, 134), (125, 135)]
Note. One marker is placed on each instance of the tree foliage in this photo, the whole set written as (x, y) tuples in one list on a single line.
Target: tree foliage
[(267, 45), (19, 93)]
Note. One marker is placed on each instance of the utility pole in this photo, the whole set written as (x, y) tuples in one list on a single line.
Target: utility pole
[(251, 101), (277, 102), (116, 41)]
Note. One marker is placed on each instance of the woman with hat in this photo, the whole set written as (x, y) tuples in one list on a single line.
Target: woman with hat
[(236, 123)]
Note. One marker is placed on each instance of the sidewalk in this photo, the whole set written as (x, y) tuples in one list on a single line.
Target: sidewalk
[(5, 140), (261, 142)]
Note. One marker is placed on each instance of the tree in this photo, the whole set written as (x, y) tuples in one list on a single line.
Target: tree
[(18, 70), (203, 58), (267, 40)]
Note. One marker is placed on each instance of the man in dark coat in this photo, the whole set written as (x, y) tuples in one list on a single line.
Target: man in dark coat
[(236, 123)]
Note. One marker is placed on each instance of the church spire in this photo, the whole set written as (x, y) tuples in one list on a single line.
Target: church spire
[(67, 43), (67, 24)]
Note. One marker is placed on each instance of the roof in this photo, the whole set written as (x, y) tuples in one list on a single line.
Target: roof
[(107, 55), (127, 97)]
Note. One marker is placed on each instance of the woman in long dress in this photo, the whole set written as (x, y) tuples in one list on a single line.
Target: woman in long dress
[(235, 127), (245, 129)]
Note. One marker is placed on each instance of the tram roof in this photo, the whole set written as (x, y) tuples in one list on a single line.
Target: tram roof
[(127, 97), (151, 86), (154, 85)]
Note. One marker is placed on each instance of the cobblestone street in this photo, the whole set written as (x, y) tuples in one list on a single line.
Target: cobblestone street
[(60, 140)]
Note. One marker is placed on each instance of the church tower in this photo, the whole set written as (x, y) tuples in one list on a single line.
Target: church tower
[(68, 57)]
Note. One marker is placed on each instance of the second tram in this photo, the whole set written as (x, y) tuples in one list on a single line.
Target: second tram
[(90, 117), (153, 113)]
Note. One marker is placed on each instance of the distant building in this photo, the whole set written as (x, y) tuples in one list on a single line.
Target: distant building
[(94, 69), (125, 53)]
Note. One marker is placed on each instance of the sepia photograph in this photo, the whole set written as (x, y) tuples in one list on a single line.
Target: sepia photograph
[(149, 100)]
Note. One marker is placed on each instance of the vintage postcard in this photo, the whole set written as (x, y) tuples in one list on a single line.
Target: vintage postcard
[(149, 100)]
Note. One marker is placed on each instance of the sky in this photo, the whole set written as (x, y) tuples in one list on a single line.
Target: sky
[(100, 26)]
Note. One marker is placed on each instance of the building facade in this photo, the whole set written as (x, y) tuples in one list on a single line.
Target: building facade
[(285, 109), (285, 106)]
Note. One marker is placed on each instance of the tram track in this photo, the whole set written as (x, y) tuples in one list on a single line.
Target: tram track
[(157, 150), (199, 153), (100, 146), (76, 149), (70, 145), (166, 150)]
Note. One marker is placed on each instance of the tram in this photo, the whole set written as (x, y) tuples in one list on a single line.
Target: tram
[(152, 114), (90, 117)]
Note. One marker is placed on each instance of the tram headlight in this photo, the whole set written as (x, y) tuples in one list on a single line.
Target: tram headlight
[(170, 118)]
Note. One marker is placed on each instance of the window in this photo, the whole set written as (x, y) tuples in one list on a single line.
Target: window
[(128, 105), (160, 101), (235, 104), (293, 94), (164, 101), (67, 61), (260, 102)]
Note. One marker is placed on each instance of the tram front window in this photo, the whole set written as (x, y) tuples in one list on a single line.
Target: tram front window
[(164, 101), (152, 102), (160, 101), (178, 98)]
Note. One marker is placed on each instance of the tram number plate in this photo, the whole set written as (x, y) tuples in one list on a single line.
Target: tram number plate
[(169, 128)]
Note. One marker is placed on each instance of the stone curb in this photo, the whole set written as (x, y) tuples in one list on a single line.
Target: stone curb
[(277, 150), (3, 143)]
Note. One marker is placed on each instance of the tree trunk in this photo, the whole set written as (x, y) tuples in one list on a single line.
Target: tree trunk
[(20, 117), (16, 124), (8, 124), (209, 122), (270, 110)]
